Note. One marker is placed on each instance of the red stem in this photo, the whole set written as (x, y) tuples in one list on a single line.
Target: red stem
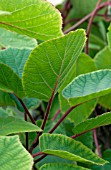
[(26, 134), (62, 118), (56, 114), (90, 25), (49, 107), (96, 142), (26, 110), (78, 23), (39, 159), (86, 17), (37, 154), (36, 141)]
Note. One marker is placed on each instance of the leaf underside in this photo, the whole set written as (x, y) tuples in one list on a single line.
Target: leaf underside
[(58, 145), (88, 86), (104, 119), (13, 155), (59, 166)]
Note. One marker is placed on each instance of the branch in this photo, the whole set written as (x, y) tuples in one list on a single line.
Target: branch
[(39, 159), (78, 23), (96, 142), (56, 114), (26, 134), (90, 25), (36, 141), (37, 154), (26, 110), (86, 17), (62, 118), (49, 107)]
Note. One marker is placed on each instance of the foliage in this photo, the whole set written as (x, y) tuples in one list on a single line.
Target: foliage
[(53, 82)]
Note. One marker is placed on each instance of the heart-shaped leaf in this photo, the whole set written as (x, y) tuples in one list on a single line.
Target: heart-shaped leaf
[(50, 63)]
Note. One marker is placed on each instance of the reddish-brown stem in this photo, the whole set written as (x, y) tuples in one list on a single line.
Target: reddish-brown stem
[(86, 17), (39, 159), (78, 23), (65, 10), (77, 135), (96, 142), (26, 134), (72, 20), (90, 25), (48, 107), (37, 154), (56, 114), (26, 110), (62, 118), (36, 141)]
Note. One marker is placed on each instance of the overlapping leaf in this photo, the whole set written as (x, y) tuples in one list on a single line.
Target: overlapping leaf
[(50, 63), (13, 155), (58, 166), (58, 145), (5, 99), (103, 61), (85, 8), (9, 81), (15, 58), (88, 86), (109, 37), (83, 65), (93, 123), (12, 39), (10, 125), (35, 18)]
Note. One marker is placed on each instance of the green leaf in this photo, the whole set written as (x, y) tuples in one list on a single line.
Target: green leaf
[(42, 72), (31, 103), (13, 155), (67, 148), (35, 18), (11, 39), (9, 81), (109, 36), (59, 166), (104, 119), (15, 58), (88, 86), (10, 125), (103, 61), (106, 156), (84, 64), (2, 113), (85, 8), (86, 139), (5, 99), (96, 42), (2, 13)]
